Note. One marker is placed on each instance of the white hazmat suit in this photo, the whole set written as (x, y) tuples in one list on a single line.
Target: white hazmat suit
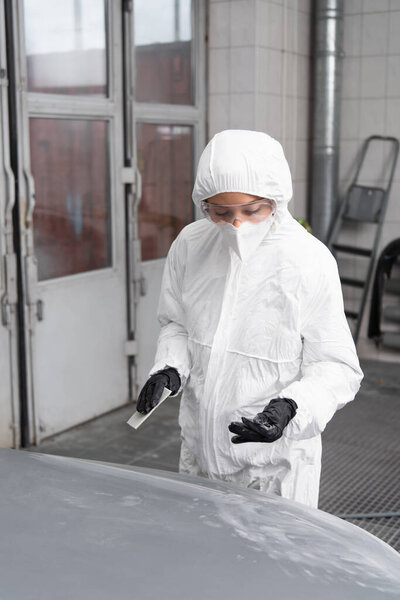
[(245, 323)]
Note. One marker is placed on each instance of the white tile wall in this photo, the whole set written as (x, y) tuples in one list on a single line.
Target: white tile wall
[(374, 38), (242, 111), (242, 69), (371, 6), (303, 76), (291, 75), (301, 5), (352, 35), (242, 23), (275, 71), (291, 30), (349, 151), (303, 35), (219, 71), (350, 119), (269, 71), (219, 28), (372, 169), (298, 205), (393, 210), (371, 105), (302, 125), (392, 126), (373, 76), (372, 117), (263, 79), (259, 68), (300, 167), (274, 112), (351, 78), (261, 18), (393, 76), (352, 7), (269, 24), (289, 107), (261, 112), (219, 113), (394, 29)]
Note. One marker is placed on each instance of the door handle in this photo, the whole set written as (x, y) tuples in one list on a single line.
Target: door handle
[(10, 194), (10, 296), (31, 266), (32, 290), (31, 198), (137, 275)]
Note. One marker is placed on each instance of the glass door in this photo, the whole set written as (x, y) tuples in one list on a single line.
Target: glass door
[(169, 115), (73, 216)]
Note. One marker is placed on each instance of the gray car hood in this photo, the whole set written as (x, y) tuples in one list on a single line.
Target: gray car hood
[(73, 528)]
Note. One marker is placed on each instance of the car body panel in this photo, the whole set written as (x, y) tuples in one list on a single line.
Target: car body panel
[(72, 528)]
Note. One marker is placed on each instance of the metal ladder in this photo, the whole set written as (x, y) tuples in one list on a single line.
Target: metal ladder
[(363, 204)]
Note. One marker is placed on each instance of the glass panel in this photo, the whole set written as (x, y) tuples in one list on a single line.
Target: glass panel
[(163, 50), (72, 214), (165, 159), (66, 46)]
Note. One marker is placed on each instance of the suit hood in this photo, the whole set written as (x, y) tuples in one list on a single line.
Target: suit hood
[(250, 162)]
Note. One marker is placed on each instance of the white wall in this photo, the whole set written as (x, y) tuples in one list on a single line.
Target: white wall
[(259, 65), (259, 78), (371, 105)]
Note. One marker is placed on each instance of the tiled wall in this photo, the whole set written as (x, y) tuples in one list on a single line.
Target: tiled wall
[(259, 78), (371, 105), (259, 64)]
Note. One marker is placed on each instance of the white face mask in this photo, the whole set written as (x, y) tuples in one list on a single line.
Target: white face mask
[(244, 240)]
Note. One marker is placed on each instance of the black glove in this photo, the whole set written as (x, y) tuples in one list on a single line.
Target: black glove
[(152, 390), (268, 425)]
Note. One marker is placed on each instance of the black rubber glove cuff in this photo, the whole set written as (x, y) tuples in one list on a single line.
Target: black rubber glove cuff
[(174, 380), (280, 411)]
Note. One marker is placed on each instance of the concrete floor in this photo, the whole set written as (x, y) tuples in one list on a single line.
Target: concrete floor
[(361, 450)]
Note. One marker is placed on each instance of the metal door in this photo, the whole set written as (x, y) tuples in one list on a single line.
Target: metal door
[(169, 133), (72, 213), (9, 412)]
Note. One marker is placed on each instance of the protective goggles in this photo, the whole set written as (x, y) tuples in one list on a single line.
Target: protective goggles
[(256, 211)]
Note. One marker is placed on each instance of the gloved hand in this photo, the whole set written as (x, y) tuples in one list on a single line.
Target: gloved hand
[(152, 390), (268, 425)]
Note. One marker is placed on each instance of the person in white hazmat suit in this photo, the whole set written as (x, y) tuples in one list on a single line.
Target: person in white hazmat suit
[(253, 327)]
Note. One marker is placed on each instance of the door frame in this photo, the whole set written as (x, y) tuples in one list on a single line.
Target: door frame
[(8, 264), (29, 104), (168, 114)]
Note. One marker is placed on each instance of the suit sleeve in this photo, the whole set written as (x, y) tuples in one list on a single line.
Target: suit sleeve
[(172, 345), (330, 372)]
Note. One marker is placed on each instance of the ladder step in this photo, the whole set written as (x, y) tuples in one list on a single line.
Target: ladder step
[(351, 314), (352, 282), (352, 250)]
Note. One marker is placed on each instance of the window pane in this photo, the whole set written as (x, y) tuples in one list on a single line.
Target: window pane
[(72, 213), (163, 50), (165, 160), (66, 46)]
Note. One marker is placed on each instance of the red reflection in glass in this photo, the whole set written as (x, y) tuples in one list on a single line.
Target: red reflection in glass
[(163, 73), (165, 159), (72, 213)]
